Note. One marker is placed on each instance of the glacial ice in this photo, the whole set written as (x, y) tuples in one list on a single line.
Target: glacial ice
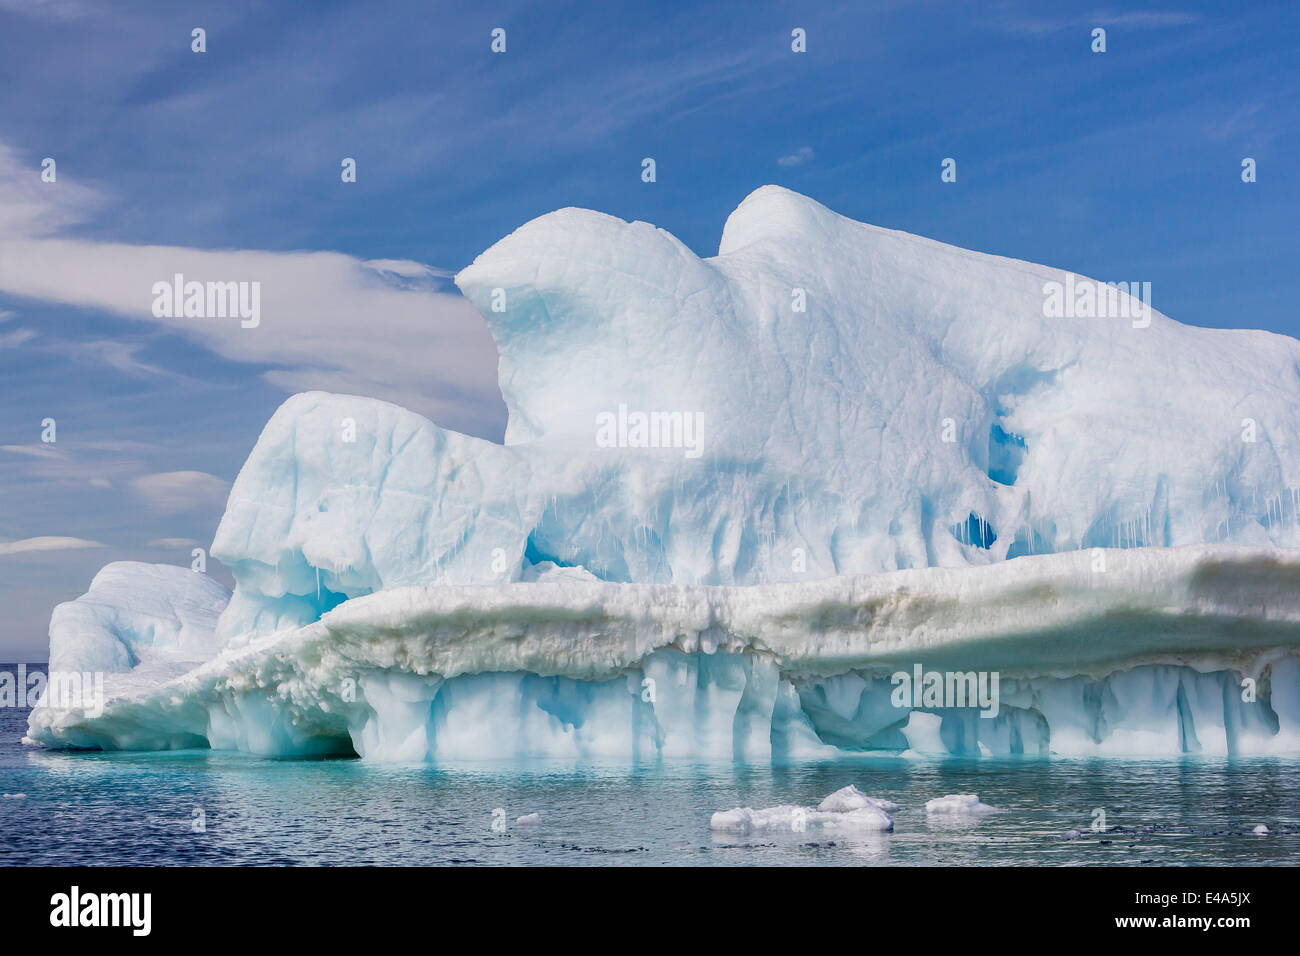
[(921, 467), (1148, 657), (921, 412), (851, 798), (137, 614), (958, 804), (846, 809)]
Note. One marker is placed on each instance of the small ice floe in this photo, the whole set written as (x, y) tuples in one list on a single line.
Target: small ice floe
[(1260, 830), (851, 798), (845, 809), (1071, 835), (529, 820), (958, 803), (14, 796)]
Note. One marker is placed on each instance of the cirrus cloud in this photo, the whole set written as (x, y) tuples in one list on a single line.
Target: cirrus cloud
[(382, 328), (175, 492), (47, 543)]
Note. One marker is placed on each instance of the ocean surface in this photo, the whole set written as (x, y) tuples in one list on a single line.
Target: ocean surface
[(205, 808)]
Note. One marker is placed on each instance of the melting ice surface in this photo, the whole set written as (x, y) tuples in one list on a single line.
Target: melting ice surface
[(895, 458)]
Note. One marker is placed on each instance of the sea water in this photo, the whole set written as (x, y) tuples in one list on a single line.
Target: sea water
[(212, 808)]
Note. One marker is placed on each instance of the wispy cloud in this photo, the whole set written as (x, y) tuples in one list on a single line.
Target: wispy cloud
[(1015, 20), (172, 544), (122, 356), (75, 463), (1149, 19), (330, 321), (1245, 121), (804, 154), (176, 492), (31, 207), (47, 543), (10, 340), (35, 451), (48, 9)]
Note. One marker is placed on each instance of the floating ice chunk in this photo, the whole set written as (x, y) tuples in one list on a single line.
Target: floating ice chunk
[(845, 809), (529, 820), (958, 803), (851, 798), (864, 818), (1071, 835), (1260, 830), (747, 820), (14, 796)]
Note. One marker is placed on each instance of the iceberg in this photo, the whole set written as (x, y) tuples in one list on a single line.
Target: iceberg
[(735, 496), (851, 798), (958, 804), (848, 809)]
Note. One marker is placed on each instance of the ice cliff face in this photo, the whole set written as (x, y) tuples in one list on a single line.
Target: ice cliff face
[(829, 398)]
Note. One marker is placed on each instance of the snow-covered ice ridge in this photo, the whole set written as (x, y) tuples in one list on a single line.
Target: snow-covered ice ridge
[(859, 475)]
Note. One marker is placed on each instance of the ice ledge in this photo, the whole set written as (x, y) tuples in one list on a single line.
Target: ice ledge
[(1073, 613), (380, 662)]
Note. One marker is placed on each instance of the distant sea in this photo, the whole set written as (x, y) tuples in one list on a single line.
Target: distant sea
[(206, 808)]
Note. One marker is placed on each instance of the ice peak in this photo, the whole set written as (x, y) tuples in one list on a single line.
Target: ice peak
[(774, 212)]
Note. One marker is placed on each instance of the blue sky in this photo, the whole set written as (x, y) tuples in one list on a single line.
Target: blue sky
[(1122, 166)]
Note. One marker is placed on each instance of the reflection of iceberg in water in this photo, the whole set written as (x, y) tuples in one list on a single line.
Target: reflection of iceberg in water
[(870, 459)]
